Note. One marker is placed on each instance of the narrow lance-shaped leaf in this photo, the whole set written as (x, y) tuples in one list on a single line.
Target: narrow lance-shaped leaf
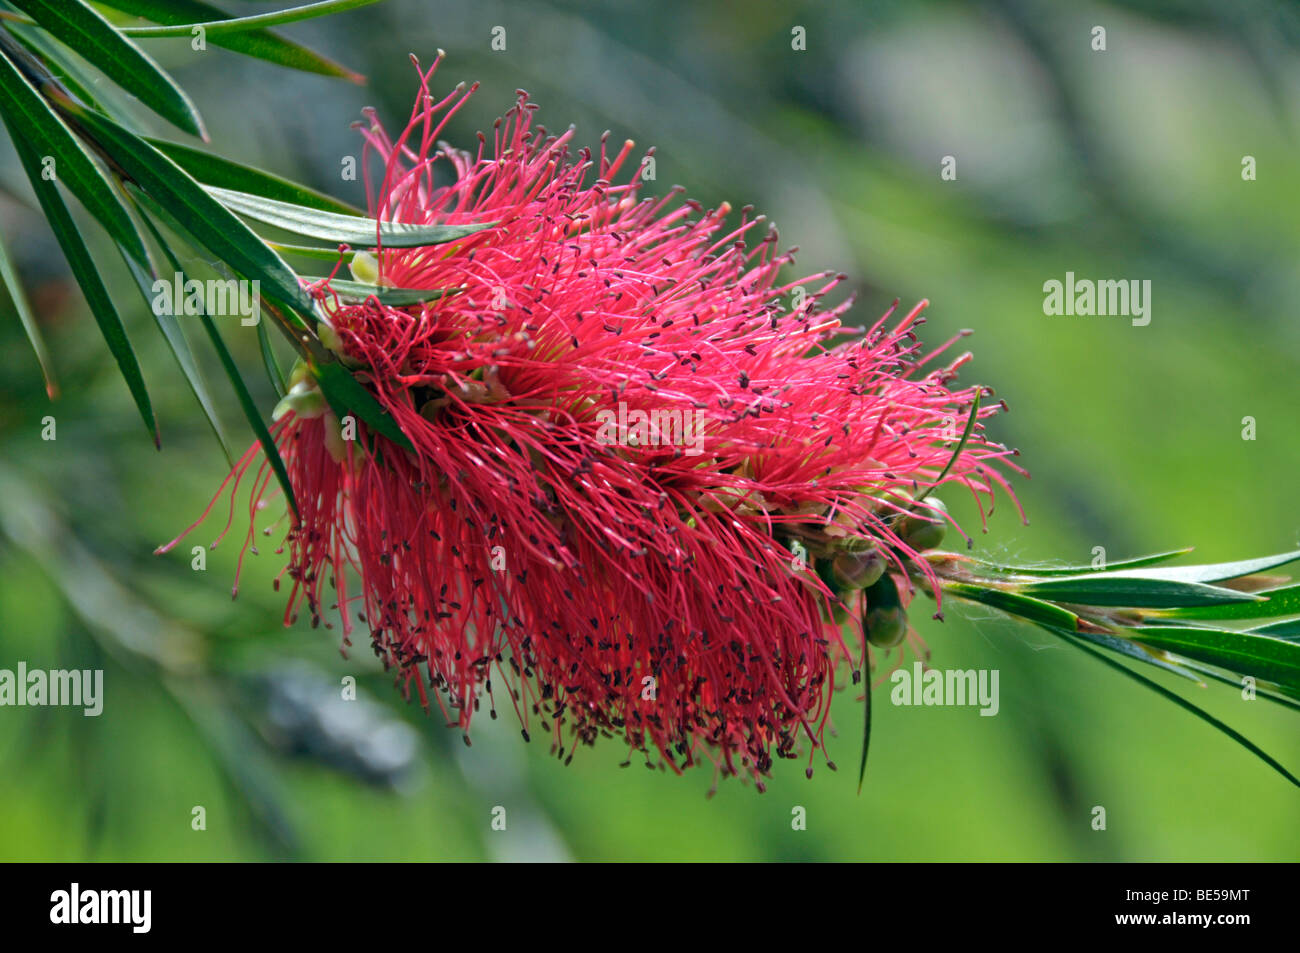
[(83, 268), (1026, 607), (68, 68), (866, 720), (1275, 602), (1142, 653), (961, 445), (198, 213), (9, 278), (1185, 704), (1050, 615), (246, 403), (181, 351), (1133, 563), (257, 21), (331, 227), (217, 171), (1217, 572), (1260, 656), (395, 297), (1123, 589), (28, 116), (314, 252), (269, 448), (1264, 690), (44, 51), (273, 371), (1287, 629), (259, 43), (82, 28), (345, 395)]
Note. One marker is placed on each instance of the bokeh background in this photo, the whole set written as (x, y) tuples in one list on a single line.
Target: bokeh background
[(1122, 164)]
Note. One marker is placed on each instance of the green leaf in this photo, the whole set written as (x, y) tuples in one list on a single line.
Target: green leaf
[(1185, 704), (396, 297), (259, 43), (180, 348), (1079, 570), (268, 360), (1284, 601), (1141, 653), (1050, 615), (1243, 653), (866, 720), (1262, 689), (198, 213), (269, 448), (348, 229), (27, 116), (72, 71), (1288, 629), (255, 22), (246, 404), (1034, 610), (82, 28), (314, 252), (9, 278), (45, 51), (347, 395), (961, 445), (87, 275), (1126, 589), (223, 173), (1217, 572)]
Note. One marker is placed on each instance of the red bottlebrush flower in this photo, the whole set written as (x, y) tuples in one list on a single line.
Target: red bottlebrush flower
[(643, 486)]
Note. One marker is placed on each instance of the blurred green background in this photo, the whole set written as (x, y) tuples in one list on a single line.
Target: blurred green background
[(1117, 164)]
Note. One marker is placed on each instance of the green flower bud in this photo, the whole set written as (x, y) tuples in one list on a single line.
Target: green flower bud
[(300, 373), (329, 337), (304, 399), (926, 528), (885, 621), (858, 570), (886, 627), (894, 501), (365, 267)]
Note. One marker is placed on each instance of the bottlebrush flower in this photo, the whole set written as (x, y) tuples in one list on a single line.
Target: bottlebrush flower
[(644, 485)]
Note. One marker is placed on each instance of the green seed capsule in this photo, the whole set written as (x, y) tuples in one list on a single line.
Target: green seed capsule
[(925, 529), (858, 570), (885, 620), (886, 627), (893, 501)]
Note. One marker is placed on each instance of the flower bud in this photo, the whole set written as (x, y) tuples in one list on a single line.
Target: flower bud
[(365, 268), (885, 621), (924, 529), (858, 570), (329, 337), (300, 373), (304, 399), (892, 501)]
